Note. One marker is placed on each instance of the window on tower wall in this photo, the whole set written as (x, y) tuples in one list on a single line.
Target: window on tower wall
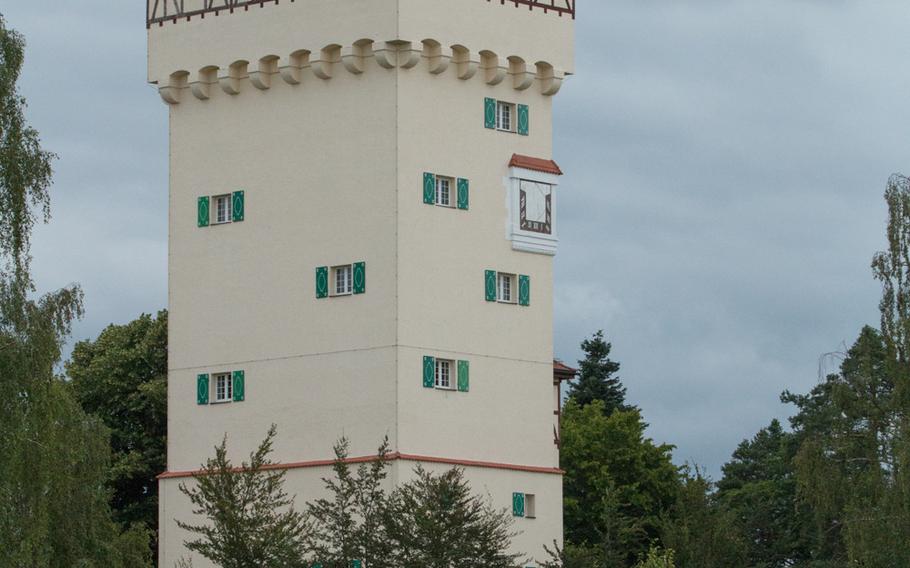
[(443, 374), (504, 116), (443, 191), (530, 506), (222, 209), (343, 279), (223, 387), (506, 288)]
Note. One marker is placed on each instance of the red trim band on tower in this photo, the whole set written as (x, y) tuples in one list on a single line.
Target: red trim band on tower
[(391, 457)]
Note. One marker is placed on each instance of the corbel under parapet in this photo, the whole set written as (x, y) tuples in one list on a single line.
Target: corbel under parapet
[(262, 77), (202, 86), (233, 75), (437, 61), (325, 65), (494, 68), (550, 79), (465, 66), (522, 78), (176, 83), (292, 69), (354, 57)]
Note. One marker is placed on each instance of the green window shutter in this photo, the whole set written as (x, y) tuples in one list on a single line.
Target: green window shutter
[(237, 208), (322, 282), (524, 290), (360, 277), (239, 386), (524, 120), (489, 113), (490, 285), (356, 564), (202, 212), (463, 190), (518, 504), (429, 188), (464, 379), (202, 389), (429, 372)]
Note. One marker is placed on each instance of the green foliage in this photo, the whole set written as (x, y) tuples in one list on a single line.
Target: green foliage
[(699, 530), (658, 558), (121, 377), (435, 520), (350, 524), (25, 167), (848, 456), (758, 490), (250, 520), (595, 377), (54, 459), (617, 483)]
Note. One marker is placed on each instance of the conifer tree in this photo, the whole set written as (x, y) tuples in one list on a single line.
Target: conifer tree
[(435, 520), (596, 380), (249, 519), (348, 525)]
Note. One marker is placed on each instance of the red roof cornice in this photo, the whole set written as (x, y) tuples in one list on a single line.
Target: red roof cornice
[(536, 164)]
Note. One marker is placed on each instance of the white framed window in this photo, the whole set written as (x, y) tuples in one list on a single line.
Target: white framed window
[(505, 285), (504, 116), (444, 191), (224, 389), (444, 374), (342, 279), (530, 506), (222, 209)]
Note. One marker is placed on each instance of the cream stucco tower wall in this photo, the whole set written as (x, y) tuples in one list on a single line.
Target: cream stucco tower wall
[(327, 114)]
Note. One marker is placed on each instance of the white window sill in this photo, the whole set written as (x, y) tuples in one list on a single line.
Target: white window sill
[(222, 402)]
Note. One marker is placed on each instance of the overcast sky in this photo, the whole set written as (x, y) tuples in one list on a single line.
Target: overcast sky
[(725, 165)]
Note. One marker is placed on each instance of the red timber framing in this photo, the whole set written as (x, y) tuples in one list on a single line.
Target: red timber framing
[(396, 456), (161, 11)]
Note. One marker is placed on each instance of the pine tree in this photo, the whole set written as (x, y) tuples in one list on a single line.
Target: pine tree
[(595, 377), (249, 519), (348, 526), (435, 520)]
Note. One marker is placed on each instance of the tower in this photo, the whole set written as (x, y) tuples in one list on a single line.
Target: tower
[(362, 220)]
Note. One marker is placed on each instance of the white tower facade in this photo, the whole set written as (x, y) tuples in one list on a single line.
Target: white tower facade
[(362, 222)]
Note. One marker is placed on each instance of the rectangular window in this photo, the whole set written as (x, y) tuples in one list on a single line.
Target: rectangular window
[(222, 209), (224, 389), (530, 506), (443, 191), (506, 287), (504, 113), (343, 280), (443, 374)]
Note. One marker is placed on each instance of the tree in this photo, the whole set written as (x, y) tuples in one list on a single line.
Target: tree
[(759, 490), (250, 520), (349, 526), (435, 520), (121, 378), (699, 530), (595, 377), (850, 465), (658, 558), (54, 459), (617, 482)]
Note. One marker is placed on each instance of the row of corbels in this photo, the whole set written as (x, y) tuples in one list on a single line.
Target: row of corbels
[(492, 68)]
